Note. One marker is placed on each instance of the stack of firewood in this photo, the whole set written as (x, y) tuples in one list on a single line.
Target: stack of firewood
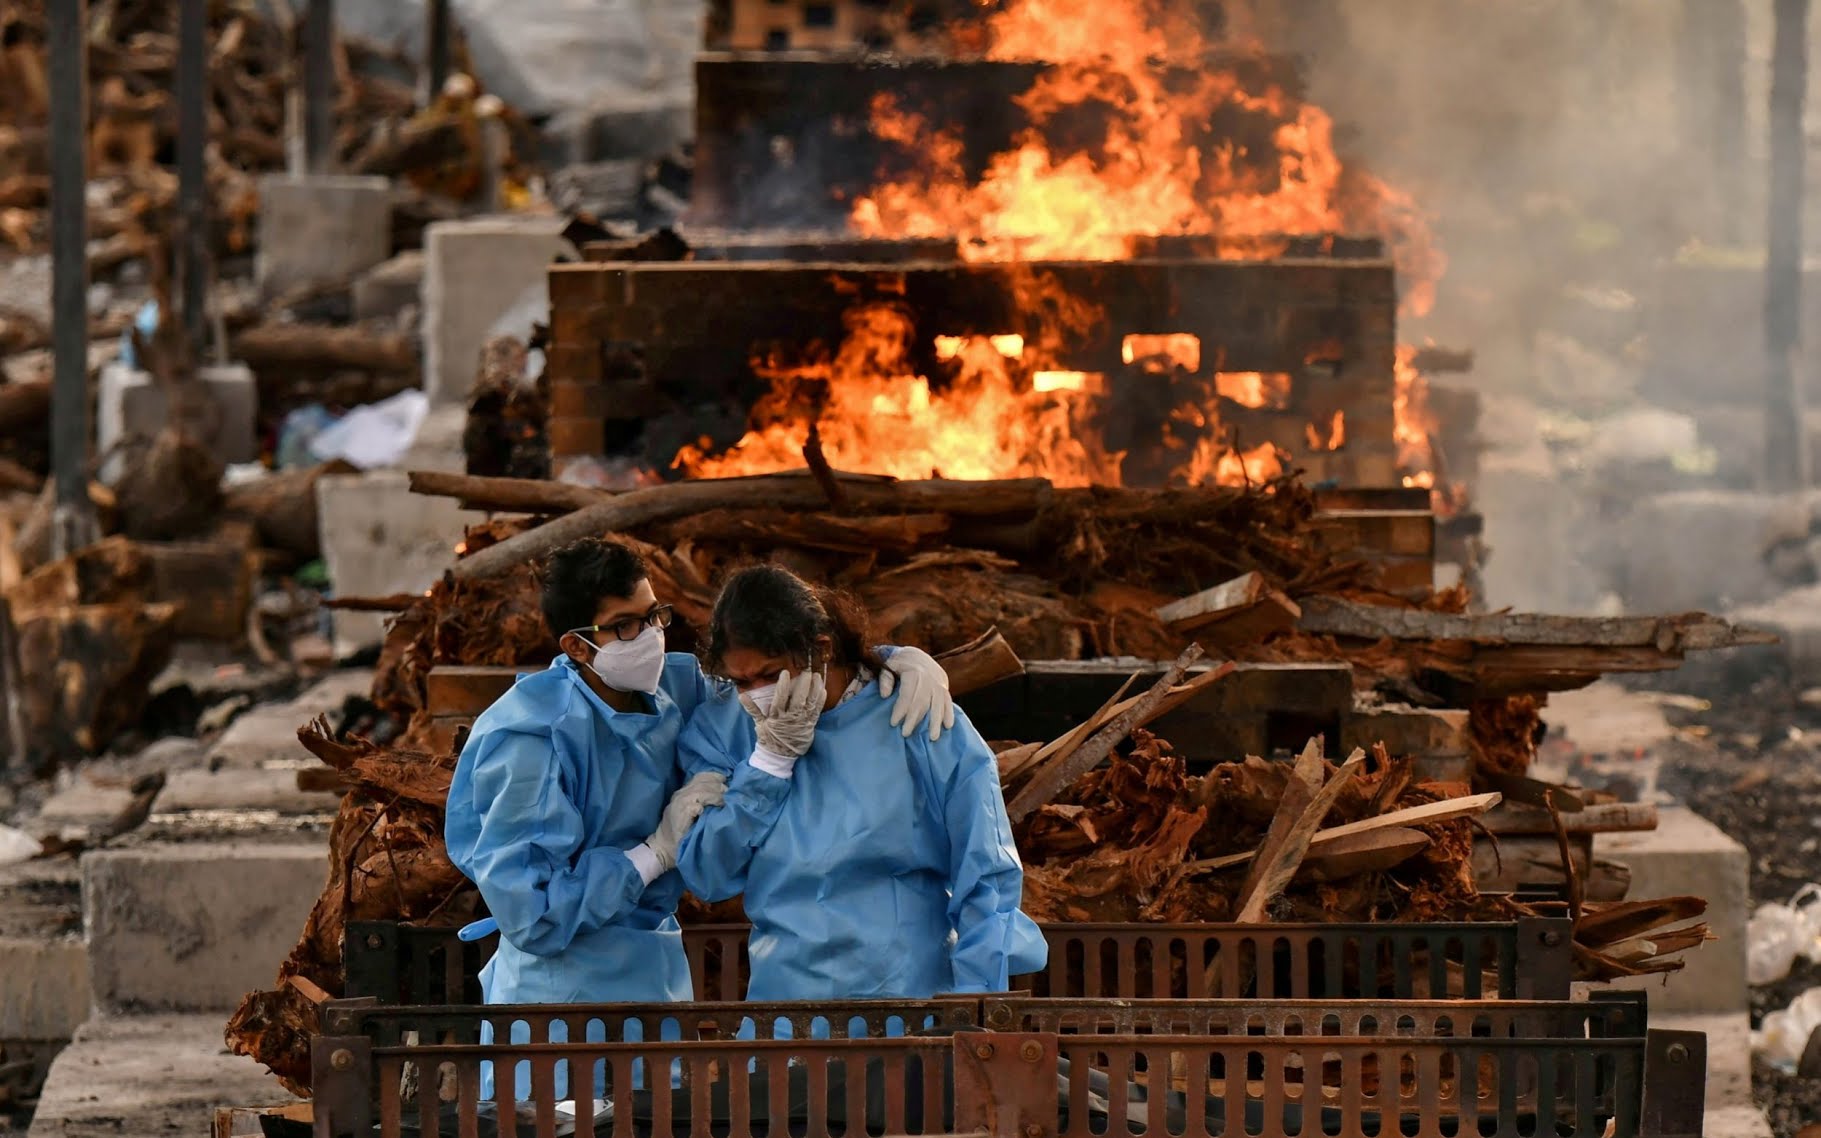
[(1109, 821)]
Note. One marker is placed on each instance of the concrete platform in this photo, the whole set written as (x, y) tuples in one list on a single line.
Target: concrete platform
[(1687, 854), (45, 992), (266, 737), (318, 228), (194, 927), (475, 270), (379, 539), (151, 1075)]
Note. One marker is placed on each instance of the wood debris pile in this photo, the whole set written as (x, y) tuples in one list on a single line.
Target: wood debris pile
[(1112, 824), (132, 48)]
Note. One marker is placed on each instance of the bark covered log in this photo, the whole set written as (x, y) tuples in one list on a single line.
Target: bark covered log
[(678, 499), (282, 507), (326, 348)]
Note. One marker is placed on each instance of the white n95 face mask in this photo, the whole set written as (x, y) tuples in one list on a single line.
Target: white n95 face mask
[(632, 665), (763, 698)]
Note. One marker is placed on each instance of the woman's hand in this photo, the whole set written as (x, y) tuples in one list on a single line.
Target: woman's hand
[(704, 790), (788, 727), (922, 687)]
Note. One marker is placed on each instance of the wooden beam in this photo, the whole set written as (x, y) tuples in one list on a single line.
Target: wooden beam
[(1663, 634)]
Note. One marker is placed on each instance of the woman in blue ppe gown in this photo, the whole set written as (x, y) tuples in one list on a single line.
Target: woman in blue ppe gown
[(875, 862), (568, 803)]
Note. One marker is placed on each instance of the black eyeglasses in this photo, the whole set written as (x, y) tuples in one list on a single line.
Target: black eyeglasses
[(629, 627)]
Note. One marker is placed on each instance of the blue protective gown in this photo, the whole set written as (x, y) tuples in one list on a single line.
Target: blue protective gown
[(551, 789), (884, 867)]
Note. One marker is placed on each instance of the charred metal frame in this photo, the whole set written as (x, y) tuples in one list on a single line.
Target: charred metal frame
[(1531, 959), (1015, 1067)]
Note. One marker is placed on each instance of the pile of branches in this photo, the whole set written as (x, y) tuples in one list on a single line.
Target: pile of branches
[(1061, 574), (132, 46)]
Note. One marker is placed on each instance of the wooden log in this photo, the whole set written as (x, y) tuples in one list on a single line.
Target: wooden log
[(282, 508), (507, 495), (1300, 789), (1427, 814), (1363, 853), (1245, 610), (679, 499), (1610, 818), (1330, 616), (316, 346), (17, 479), (1272, 871), (24, 407), (14, 742), (210, 582), (1050, 779), (979, 663)]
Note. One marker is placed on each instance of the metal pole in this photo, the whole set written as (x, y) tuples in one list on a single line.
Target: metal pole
[(436, 49), (192, 179), (73, 519), (319, 85), (1785, 445)]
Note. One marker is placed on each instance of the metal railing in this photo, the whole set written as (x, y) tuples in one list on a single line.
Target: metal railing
[(1197, 1076), (1527, 959)]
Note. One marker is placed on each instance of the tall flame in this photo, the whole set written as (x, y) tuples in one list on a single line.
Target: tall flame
[(1131, 131)]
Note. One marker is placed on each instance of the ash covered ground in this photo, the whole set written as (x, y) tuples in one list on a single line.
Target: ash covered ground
[(1750, 762)]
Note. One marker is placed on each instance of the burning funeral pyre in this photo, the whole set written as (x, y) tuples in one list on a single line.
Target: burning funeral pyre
[(1040, 404)]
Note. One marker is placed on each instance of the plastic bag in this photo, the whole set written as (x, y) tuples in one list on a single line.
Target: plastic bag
[(1777, 934), (1784, 1034)]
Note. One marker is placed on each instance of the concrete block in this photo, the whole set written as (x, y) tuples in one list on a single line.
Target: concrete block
[(241, 789), (1731, 1113), (130, 403), (46, 993), (1688, 855), (318, 228), (390, 287), (163, 1074), (1695, 549), (266, 737), (474, 273), (378, 539), (196, 926)]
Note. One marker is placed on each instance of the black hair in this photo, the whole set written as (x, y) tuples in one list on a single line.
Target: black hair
[(578, 577), (769, 609)]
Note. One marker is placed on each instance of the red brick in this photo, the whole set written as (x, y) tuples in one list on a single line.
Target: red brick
[(569, 399), (577, 435), (576, 363), (572, 285)]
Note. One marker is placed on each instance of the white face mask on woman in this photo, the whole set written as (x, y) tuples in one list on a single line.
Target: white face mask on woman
[(762, 697), (631, 665)]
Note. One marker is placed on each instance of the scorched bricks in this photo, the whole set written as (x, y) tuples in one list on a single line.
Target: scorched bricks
[(630, 339)]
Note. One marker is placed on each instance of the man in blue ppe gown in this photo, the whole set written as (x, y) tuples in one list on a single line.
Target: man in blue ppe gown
[(873, 864), (568, 804)]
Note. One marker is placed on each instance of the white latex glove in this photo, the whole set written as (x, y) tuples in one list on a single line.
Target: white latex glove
[(789, 726), (704, 790), (922, 687)]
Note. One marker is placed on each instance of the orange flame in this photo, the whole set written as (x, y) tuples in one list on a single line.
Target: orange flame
[(1003, 405), (1415, 423), (1257, 390)]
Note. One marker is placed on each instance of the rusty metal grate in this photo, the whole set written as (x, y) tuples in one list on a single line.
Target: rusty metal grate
[(1606, 1015), (1529, 959), (1032, 1085)]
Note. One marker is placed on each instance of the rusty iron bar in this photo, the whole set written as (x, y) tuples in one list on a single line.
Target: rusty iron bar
[(1785, 443), (1035, 1085), (319, 85), (192, 179), (74, 517), (1526, 959), (437, 29)]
